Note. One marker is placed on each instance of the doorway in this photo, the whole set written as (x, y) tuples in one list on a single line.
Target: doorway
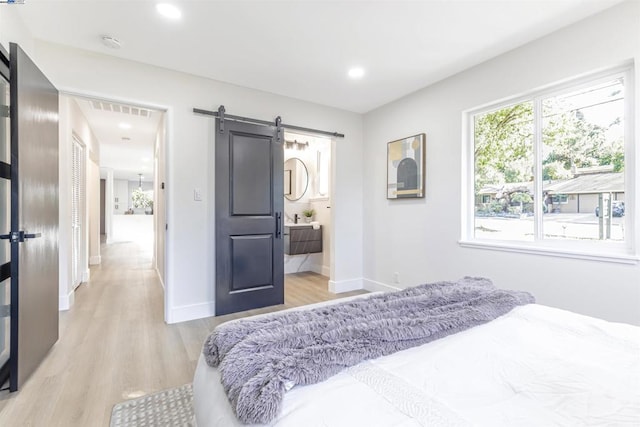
[(307, 207), (121, 194)]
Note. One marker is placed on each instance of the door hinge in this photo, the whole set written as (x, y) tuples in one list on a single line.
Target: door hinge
[(221, 111), (5, 311), (279, 129), (4, 111)]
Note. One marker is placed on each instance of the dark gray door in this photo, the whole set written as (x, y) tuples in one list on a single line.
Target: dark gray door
[(249, 202), (34, 216), (5, 218)]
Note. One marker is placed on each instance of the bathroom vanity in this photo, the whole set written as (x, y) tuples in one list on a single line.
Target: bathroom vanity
[(302, 239)]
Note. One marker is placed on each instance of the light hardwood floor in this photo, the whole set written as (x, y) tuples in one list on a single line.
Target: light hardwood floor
[(114, 344)]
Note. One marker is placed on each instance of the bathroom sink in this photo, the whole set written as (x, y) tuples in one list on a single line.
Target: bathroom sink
[(300, 224)]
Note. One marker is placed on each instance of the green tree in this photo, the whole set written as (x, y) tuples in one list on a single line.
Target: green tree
[(503, 145), (573, 136), (522, 198)]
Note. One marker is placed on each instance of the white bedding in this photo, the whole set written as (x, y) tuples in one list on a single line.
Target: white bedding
[(535, 366)]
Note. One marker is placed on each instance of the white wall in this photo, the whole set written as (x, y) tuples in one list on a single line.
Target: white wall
[(418, 238), (12, 29), (190, 237)]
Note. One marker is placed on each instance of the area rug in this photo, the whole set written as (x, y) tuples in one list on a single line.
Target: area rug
[(168, 408)]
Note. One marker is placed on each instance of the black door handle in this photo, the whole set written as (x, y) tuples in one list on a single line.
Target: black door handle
[(278, 225), (19, 236)]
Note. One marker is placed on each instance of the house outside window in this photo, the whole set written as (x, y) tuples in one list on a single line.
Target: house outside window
[(547, 170)]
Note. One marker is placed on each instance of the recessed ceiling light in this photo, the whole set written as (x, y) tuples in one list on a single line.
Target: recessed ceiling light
[(145, 159), (111, 42), (356, 72), (168, 11), (124, 126)]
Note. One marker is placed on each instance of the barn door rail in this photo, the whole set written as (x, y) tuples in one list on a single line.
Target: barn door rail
[(222, 116)]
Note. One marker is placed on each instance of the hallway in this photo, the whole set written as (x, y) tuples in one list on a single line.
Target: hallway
[(114, 344)]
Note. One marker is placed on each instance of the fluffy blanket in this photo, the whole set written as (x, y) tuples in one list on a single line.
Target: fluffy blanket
[(260, 359)]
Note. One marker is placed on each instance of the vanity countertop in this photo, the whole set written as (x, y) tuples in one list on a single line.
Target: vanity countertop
[(299, 225)]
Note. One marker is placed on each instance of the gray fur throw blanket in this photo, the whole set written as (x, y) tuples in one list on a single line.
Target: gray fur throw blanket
[(260, 359)]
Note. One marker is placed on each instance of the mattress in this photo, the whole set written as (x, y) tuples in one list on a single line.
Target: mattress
[(534, 366)]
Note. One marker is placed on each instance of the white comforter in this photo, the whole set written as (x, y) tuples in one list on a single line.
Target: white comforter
[(536, 366)]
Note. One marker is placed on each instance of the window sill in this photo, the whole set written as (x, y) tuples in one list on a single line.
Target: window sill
[(614, 257)]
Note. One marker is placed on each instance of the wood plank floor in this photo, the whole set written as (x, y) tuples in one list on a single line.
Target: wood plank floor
[(114, 344)]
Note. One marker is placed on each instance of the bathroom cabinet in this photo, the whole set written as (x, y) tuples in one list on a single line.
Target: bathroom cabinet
[(302, 239)]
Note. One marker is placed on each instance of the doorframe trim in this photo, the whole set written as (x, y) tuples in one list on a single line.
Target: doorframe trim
[(168, 110)]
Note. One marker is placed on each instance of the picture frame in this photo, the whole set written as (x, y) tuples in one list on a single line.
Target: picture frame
[(406, 167)]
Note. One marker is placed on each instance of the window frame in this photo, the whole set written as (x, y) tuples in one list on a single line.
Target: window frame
[(608, 251)]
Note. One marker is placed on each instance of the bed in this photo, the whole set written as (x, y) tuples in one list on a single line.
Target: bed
[(534, 366)]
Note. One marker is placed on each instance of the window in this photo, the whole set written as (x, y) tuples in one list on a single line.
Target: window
[(559, 199), (548, 170)]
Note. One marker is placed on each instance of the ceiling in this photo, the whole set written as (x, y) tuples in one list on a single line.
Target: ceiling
[(303, 49), (126, 157)]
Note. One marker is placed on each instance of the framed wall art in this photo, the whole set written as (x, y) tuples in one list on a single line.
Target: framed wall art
[(405, 167)]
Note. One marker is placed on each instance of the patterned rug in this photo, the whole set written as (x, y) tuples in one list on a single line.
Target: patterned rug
[(168, 408)]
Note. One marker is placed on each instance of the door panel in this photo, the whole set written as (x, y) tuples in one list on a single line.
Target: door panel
[(5, 219), (5, 128), (5, 326), (34, 155), (249, 204), (252, 258), (250, 160)]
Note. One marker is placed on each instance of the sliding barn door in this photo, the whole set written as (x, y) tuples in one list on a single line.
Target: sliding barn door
[(249, 202)]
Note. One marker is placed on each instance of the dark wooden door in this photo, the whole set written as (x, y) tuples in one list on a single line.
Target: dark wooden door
[(34, 216), (249, 202)]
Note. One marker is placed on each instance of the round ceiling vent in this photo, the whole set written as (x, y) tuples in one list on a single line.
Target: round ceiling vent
[(111, 42)]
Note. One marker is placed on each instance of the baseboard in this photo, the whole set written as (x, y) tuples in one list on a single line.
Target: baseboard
[(345, 285), (86, 276), (184, 313), (95, 260), (66, 301), (373, 286)]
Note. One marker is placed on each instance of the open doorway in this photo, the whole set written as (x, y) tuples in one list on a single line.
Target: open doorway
[(117, 174), (307, 207)]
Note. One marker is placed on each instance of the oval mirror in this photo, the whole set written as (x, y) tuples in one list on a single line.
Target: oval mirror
[(296, 179)]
